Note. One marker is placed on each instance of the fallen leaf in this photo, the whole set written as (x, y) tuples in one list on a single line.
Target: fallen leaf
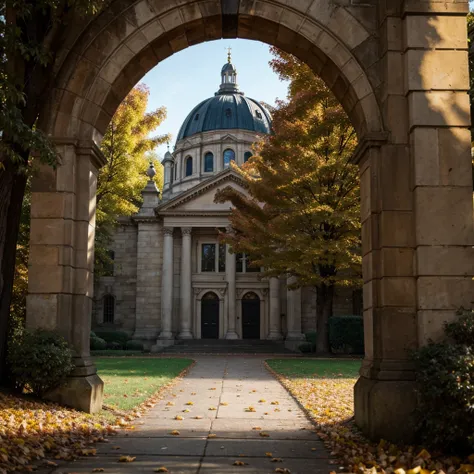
[(239, 463), (262, 400), (268, 455), (283, 470), (189, 403), (224, 404), (178, 417), (257, 428), (212, 435), (212, 408), (275, 403), (198, 417), (276, 460), (174, 433), (98, 469), (250, 409), (160, 469), (264, 435), (127, 458)]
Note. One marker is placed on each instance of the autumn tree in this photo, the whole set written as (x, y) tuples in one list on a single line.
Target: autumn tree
[(129, 148), (31, 34), (302, 213)]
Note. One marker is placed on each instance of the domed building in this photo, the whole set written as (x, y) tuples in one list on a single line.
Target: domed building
[(172, 279)]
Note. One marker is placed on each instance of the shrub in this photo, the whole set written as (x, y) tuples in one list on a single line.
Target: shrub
[(346, 334), (114, 345), (305, 347), (445, 376), (97, 344), (311, 338), (462, 330), (40, 361), (134, 346), (113, 336), (93, 334)]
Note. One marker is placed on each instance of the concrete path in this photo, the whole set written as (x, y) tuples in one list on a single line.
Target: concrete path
[(221, 390)]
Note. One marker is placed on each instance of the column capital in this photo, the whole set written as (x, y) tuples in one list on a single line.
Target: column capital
[(186, 230), (168, 230)]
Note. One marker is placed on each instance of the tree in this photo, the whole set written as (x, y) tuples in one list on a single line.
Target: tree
[(31, 34), (302, 214), (128, 147)]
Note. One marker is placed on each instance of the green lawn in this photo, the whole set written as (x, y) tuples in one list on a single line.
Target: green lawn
[(316, 368), (130, 381)]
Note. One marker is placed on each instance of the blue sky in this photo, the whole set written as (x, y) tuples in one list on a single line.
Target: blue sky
[(192, 75)]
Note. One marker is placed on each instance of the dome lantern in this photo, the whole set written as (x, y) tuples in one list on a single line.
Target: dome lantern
[(229, 77)]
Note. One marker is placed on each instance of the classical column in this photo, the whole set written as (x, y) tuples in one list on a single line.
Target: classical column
[(230, 277), (185, 285), (275, 310), (167, 284), (293, 312)]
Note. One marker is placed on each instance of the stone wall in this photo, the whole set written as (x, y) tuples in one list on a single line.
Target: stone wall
[(122, 285)]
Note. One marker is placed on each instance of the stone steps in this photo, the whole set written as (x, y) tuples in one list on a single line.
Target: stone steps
[(209, 346)]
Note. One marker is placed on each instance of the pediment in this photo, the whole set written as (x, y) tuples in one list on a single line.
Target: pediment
[(228, 138), (200, 198)]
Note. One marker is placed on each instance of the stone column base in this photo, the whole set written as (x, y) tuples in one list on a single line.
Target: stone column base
[(385, 409), (185, 334), (295, 336), (82, 390), (231, 335), (165, 335), (161, 344), (275, 336), (144, 334)]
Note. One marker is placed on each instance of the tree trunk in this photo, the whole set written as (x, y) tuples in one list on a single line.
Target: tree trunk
[(324, 303), (12, 190)]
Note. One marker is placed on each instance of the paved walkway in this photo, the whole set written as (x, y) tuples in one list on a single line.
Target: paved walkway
[(221, 390)]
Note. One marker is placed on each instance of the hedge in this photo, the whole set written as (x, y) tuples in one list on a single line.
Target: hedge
[(113, 336), (346, 334), (134, 346), (97, 344)]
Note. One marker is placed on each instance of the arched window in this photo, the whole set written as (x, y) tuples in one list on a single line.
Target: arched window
[(208, 162), (247, 156), (229, 156), (109, 309), (189, 166)]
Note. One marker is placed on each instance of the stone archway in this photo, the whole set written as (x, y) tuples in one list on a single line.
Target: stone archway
[(399, 68)]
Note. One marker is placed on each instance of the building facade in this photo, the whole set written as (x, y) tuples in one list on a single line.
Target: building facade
[(172, 278)]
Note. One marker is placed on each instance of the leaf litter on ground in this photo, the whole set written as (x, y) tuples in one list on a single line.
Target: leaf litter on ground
[(329, 402)]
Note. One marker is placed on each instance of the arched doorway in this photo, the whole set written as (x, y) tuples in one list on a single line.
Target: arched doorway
[(210, 316), (250, 316)]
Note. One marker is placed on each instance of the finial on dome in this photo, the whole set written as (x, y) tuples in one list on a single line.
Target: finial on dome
[(229, 55), (228, 76), (151, 172)]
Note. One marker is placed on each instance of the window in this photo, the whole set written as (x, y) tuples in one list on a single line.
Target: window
[(258, 114), (247, 156), (196, 117), (222, 257), (189, 166), (109, 309), (212, 259), (208, 258), (208, 162), (228, 113), (175, 171), (229, 156), (244, 265)]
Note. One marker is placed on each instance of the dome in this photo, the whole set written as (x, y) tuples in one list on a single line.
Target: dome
[(228, 109)]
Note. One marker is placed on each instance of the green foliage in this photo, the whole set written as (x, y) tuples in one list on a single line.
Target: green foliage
[(462, 330), (310, 337), (97, 344), (113, 336), (134, 346), (114, 346), (93, 334), (445, 377), (306, 347), (346, 334), (40, 361)]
